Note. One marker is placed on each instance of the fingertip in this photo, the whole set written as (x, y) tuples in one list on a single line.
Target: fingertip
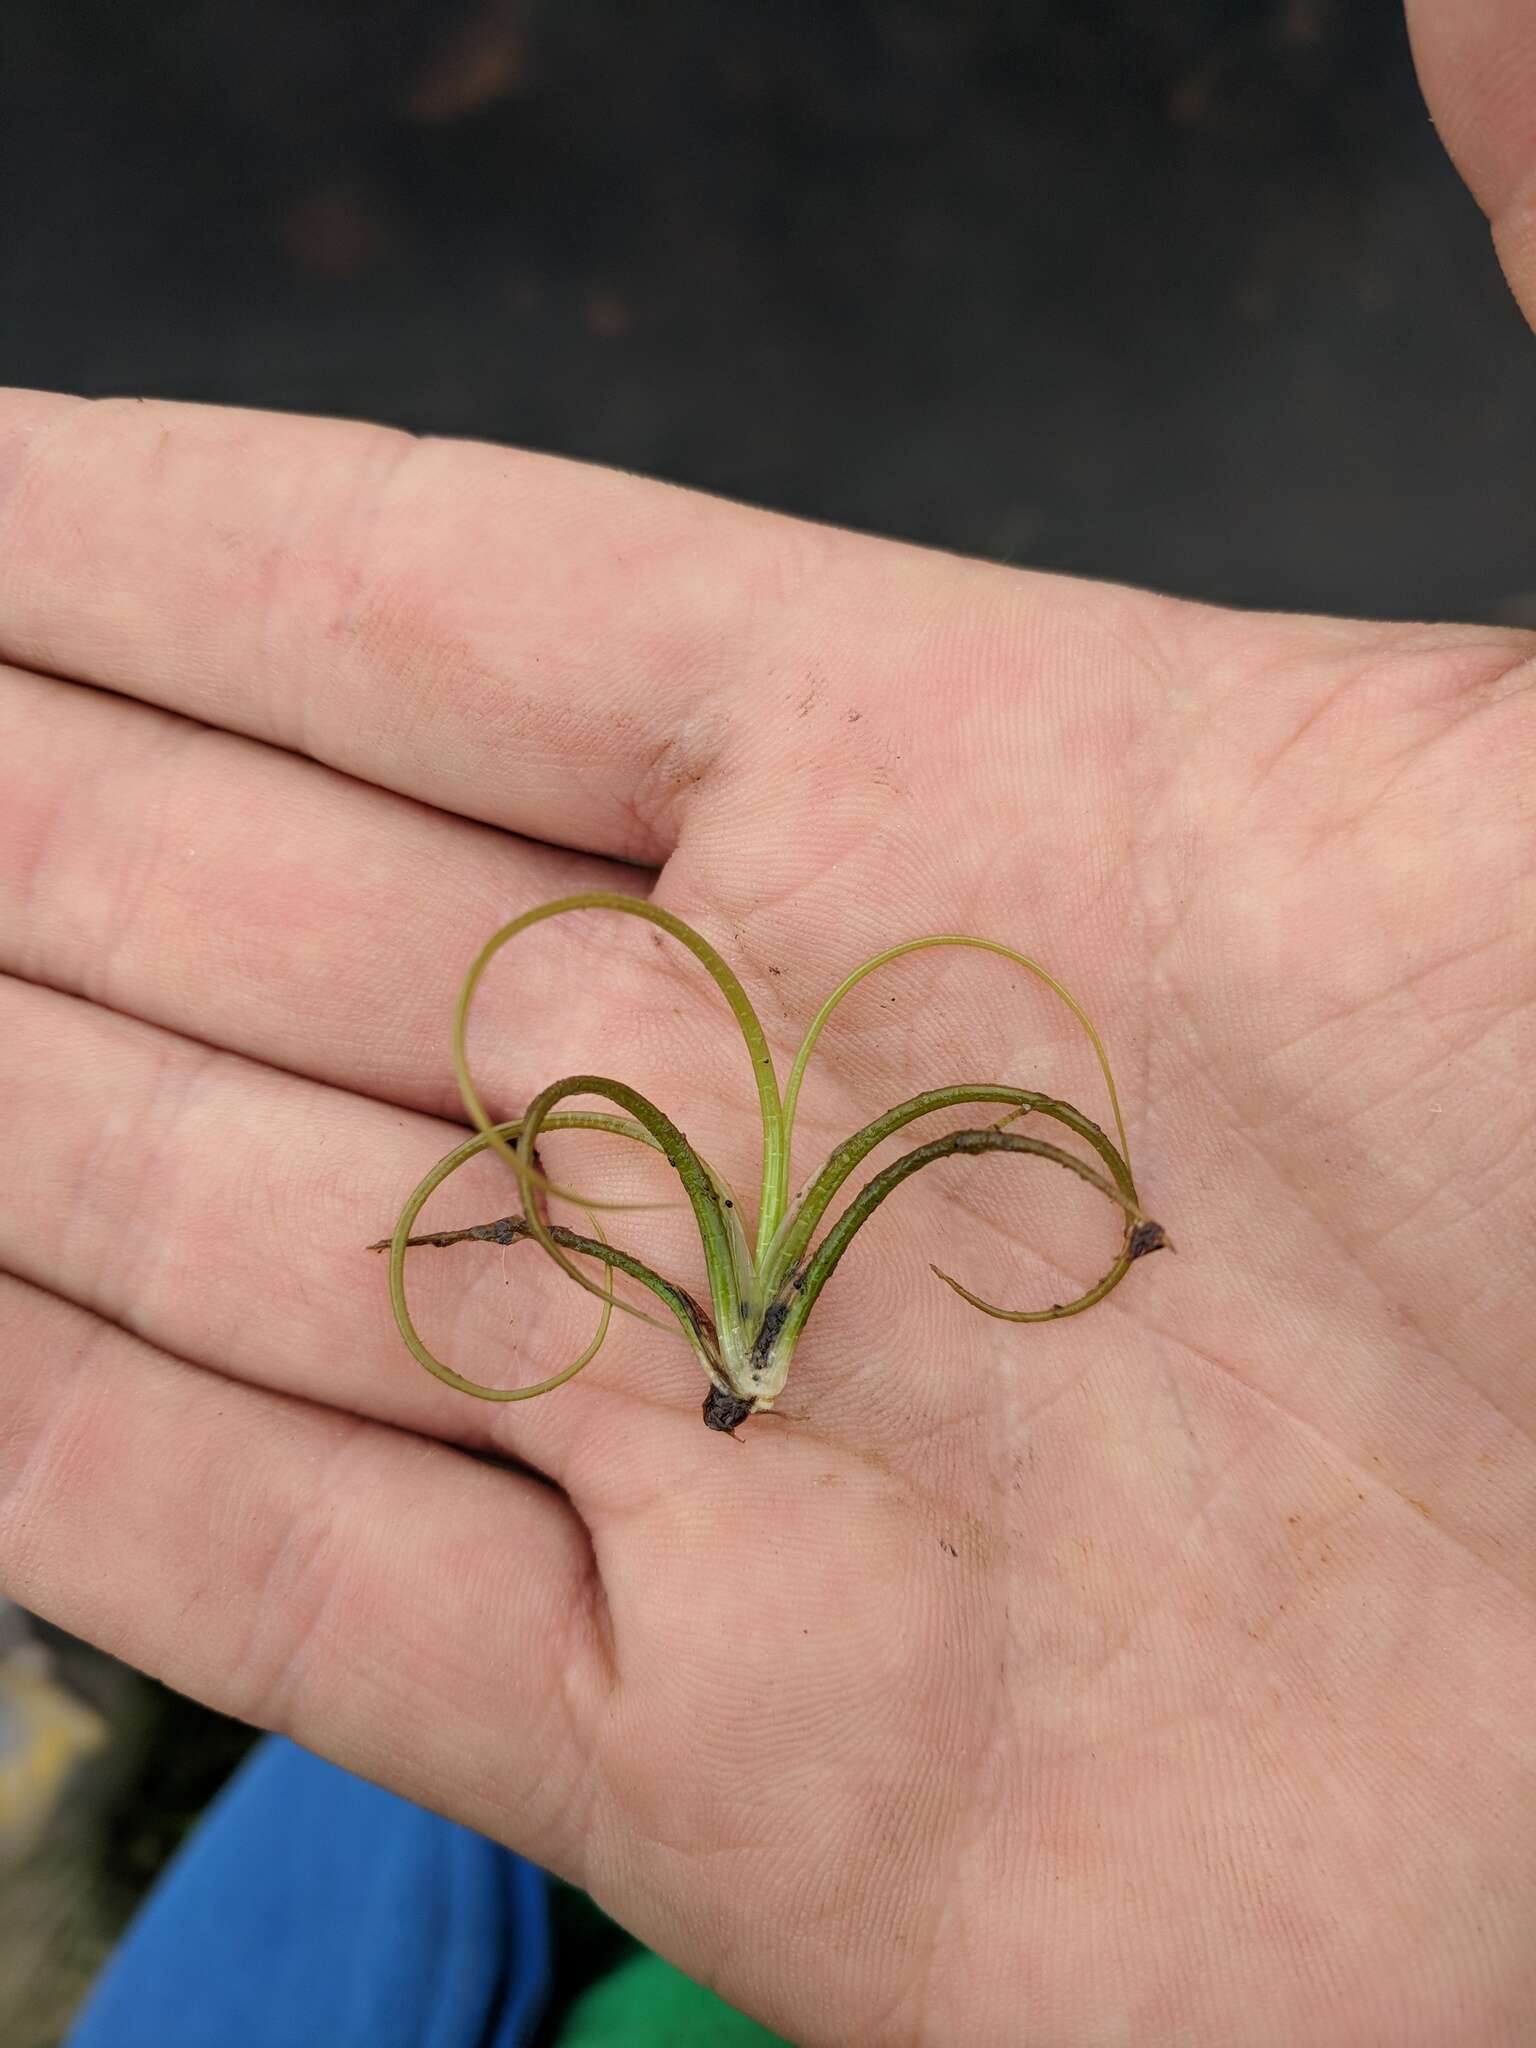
[(1477, 65)]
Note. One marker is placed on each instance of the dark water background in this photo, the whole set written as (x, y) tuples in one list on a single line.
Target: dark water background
[(1180, 291)]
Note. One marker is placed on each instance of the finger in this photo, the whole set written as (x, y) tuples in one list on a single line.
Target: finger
[(259, 902), (220, 1210), (1477, 63), (532, 642), (390, 1603)]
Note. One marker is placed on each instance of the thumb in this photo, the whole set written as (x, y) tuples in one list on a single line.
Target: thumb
[(1477, 65)]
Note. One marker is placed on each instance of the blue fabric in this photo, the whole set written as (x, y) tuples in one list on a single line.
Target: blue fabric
[(309, 1907)]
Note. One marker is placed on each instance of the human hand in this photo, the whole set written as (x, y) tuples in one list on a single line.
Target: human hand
[(1161, 1674)]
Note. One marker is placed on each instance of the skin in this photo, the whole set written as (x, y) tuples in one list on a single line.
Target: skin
[(1163, 1675)]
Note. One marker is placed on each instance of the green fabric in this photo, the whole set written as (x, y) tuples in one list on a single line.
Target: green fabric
[(645, 2003)]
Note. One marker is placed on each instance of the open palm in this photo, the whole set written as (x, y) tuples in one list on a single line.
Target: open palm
[(1162, 1674)]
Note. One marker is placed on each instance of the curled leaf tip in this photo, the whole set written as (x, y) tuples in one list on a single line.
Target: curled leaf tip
[(1147, 1237)]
